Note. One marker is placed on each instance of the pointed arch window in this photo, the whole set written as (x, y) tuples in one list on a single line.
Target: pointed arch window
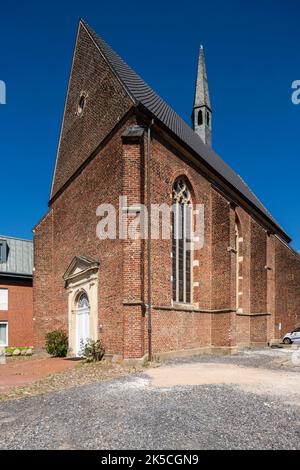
[(182, 242), (239, 265), (83, 301)]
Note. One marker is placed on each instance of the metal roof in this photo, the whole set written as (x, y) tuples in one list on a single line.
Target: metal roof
[(141, 93), (19, 257)]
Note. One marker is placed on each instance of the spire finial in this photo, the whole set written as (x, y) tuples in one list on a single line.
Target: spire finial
[(202, 110)]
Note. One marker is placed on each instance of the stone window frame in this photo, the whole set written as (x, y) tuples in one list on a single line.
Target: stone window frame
[(181, 195)]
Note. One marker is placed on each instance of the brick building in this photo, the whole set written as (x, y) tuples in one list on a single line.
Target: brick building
[(16, 304), (118, 138)]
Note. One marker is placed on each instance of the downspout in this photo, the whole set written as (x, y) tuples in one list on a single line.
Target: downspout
[(149, 241)]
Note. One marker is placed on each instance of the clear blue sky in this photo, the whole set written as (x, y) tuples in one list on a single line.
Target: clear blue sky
[(252, 57)]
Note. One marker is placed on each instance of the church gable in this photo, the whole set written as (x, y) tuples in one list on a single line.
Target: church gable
[(96, 100)]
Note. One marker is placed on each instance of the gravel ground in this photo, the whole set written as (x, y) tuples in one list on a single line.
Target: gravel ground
[(129, 413)]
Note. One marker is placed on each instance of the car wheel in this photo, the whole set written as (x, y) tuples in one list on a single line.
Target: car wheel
[(287, 341)]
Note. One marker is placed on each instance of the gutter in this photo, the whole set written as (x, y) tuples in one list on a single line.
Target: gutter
[(149, 241), (16, 276)]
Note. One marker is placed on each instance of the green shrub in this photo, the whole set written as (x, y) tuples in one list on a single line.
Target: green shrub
[(92, 350), (57, 343)]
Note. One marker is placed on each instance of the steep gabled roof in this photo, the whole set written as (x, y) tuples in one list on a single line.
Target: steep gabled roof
[(142, 94)]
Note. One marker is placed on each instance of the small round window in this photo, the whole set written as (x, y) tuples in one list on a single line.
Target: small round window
[(81, 104)]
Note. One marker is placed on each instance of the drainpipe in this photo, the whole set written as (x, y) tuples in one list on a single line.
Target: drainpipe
[(149, 242)]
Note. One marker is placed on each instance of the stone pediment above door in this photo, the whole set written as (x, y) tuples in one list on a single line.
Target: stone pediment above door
[(80, 268)]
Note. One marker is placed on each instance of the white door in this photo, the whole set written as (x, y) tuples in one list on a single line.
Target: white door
[(82, 322)]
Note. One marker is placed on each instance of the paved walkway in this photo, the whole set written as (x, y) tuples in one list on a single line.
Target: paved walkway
[(19, 371)]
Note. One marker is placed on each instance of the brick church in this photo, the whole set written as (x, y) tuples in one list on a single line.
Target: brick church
[(154, 296)]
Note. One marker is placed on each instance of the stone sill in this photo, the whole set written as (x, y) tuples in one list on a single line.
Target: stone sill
[(258, 314), (191, 308)]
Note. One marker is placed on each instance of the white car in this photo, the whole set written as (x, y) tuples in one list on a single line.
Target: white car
[(292, 337)]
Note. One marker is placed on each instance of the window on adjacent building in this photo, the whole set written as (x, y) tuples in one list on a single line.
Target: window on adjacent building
[(182, 216), (3, 334), (3, 299)]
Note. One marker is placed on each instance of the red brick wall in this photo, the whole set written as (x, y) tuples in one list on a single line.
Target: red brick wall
[(258, 271), (243, 329), (70, 230), (133, 254), (270, 270), (216, 272), (259, 329), (45, 317), (245, 228), (177, 329), (258, 283), (287, 289), (222, 271), (19, 313), (221, 257), (102, 167), (271, 286)]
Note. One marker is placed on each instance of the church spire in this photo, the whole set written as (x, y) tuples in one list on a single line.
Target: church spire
[(202, 114)]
